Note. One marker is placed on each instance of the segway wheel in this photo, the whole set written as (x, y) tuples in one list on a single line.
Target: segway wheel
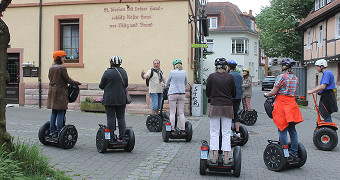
[(154, 123), (325, 138), (237, 156), (302, 154), (188, 128), (43, 132), (274, 158), (131, 139), (101, 143), (203, 166), (68, 137), (165, 134), (249, 118), (244, 135)]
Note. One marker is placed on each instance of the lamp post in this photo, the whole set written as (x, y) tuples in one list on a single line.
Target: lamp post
[(203, 4)]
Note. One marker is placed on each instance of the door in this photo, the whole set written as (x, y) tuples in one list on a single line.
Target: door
[(12, 88)]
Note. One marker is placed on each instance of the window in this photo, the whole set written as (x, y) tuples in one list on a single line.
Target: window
[(252, 24), (213, 23), (316, 5), (322, 3), (308, 39), (69, 37), (255, 48), (320, 35), (329, 1), (239, 46), (210, 43), (337, 25)]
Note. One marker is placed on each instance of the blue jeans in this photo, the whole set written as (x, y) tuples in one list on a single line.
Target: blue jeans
[(113, 113), (156, 99), (59, 116), (293, 138), (328, 119)]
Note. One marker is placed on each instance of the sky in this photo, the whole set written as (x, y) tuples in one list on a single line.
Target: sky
[(246, 5)]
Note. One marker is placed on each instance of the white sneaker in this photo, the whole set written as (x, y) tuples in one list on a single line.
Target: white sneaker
[(238, 135)]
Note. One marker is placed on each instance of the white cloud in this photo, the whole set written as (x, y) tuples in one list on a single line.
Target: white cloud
[(246, 5)]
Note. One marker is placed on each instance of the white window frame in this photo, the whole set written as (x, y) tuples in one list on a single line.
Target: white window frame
[(317, 5), (337, 25), (210, 44), (320, 35), (244, 45), (255, 48), (322, 3), (308, 39), (329, 1), (211, 24)]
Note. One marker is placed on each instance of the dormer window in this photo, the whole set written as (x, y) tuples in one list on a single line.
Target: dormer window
[(213, 23), (317, 4)]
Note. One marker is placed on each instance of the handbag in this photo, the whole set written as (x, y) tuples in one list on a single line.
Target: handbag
[(128, 97), (73, 92), (269, 106)]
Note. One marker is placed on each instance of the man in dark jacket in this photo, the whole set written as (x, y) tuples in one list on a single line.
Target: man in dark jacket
[(114, 83), (58, 92)]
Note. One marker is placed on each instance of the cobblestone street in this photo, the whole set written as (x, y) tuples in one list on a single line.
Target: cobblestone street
[(154, 159)]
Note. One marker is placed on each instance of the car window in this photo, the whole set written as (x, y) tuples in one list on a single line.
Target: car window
[(269, 78)]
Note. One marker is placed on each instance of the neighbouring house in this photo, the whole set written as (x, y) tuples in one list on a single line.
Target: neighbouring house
[(91, 32), (232, 35), (321, 40)]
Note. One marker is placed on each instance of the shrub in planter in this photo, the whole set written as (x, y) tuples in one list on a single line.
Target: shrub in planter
[(92, 105)]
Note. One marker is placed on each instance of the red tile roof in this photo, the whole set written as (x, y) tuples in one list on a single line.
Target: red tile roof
[(229, 17)]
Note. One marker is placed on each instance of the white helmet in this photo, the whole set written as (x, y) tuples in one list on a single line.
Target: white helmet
[(321, 62), (116, 60)]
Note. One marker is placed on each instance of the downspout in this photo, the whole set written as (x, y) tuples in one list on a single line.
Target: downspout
[(39, 72), (326, 38)]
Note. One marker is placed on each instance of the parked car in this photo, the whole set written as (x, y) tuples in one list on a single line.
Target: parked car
[(268, 82)]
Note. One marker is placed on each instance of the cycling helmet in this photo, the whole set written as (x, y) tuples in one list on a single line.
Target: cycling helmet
[(232, 63), (59, 54), (176, 61), (246, 69), (116, 60), (321, 62), (220, 61), (288, 62)]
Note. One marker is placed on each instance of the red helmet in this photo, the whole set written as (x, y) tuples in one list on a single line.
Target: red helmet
[(59, 53)]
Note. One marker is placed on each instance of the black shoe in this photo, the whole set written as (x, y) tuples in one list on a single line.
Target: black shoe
[(54, 135), (293, 158), (183, 132)]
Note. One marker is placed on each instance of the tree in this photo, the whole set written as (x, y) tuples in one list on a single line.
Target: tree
[(4, 77), (277, 25)]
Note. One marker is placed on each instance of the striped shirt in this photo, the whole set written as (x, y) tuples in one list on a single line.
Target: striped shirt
[(287, 83)]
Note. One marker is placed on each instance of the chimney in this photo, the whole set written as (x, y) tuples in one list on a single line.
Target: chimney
[(251, 13)]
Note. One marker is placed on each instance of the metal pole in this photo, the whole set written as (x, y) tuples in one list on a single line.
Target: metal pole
[(201, 34), (39, 71)]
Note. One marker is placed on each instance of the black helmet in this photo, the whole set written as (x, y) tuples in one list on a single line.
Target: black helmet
[(288, 62), (220, 62)]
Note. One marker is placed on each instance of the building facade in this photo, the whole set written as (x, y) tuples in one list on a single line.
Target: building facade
[(91, 32)]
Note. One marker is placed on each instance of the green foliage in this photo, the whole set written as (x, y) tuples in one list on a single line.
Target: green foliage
[(92, 107), (26, 162), (277, 25)]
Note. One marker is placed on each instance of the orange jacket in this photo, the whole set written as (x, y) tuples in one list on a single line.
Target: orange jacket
[(285, 111)]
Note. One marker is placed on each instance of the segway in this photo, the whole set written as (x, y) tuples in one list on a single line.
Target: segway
[(104, 140), (276, 160), (154, 123), (68, 134), (325, 137), (168, 133), (243, 139), (67, 138), (249, 117), (234, 166)]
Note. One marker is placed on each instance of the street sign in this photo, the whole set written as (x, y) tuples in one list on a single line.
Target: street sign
[(199, 45)]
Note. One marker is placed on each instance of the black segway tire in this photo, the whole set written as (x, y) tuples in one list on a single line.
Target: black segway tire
[(203, 166), (188, 129), (249, 118), (237, 161), (244, 135), (101, 143), (154, 123), (273, 157), (68, 136), (43, 132), (302, 154), (165, 134), (325, 138), (131, 139)]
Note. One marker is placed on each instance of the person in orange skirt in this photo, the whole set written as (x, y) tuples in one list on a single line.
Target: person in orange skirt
[(286, 113)]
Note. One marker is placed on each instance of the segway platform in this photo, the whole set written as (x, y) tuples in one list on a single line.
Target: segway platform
[(167, 133)]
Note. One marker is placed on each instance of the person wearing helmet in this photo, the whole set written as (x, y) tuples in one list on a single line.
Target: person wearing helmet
[(176, 82), (58, 92), (221, 91), (246, 89), (114, 83), (154, 79), (286, 113), (327, 104), (237, 100)]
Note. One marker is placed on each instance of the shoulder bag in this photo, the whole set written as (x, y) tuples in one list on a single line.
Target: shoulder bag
[(128, 97)]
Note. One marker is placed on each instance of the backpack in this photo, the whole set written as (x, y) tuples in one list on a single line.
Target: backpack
[(148, 79), (73, 92)]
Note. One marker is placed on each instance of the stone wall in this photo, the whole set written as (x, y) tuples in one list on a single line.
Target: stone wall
[(141, 102)]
